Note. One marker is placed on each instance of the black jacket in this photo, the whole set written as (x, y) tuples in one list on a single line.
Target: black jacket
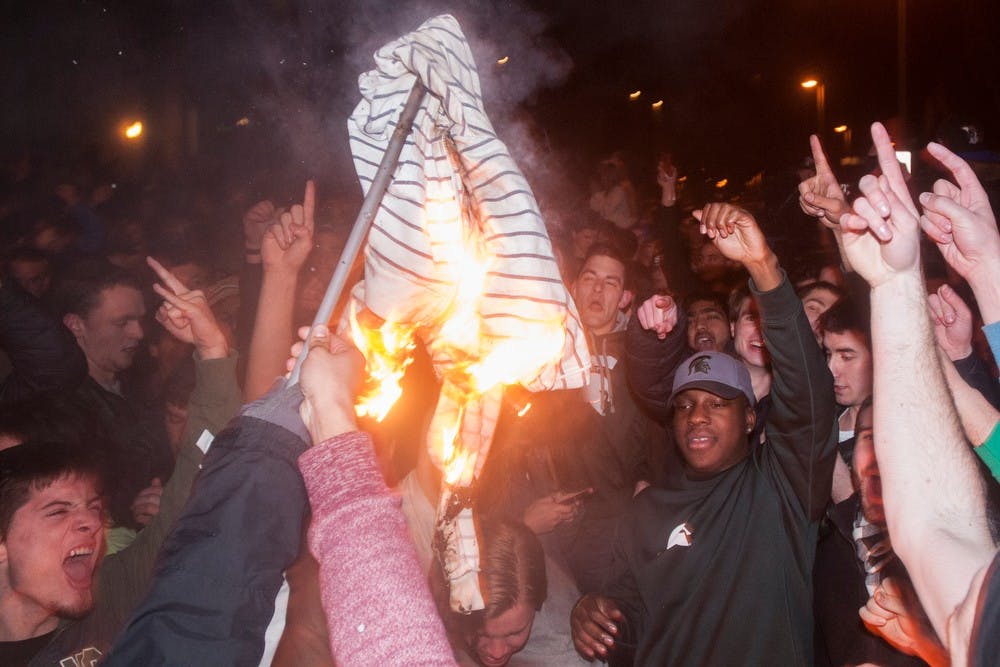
[(738, 590), (43, 353)]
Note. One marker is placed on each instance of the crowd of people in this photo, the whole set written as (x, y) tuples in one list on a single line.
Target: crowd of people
[(787, 452)]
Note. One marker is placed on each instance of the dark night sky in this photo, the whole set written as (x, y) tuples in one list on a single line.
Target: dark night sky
[(728, 72)]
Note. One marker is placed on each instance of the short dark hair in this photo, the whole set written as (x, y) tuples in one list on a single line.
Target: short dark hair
[(35, 465), (847, 315), (736, 298), (612, 251), (79, 292), (714, 297), (806, 289)]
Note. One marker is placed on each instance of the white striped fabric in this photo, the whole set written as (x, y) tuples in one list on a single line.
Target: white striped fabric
[(411, 267)]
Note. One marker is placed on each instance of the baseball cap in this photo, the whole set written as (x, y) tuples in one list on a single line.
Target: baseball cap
[(715, 372)]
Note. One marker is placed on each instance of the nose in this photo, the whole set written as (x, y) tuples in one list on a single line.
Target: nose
[(135, 330), (833, 365), (698, 414), (88, 520), (494, 650)]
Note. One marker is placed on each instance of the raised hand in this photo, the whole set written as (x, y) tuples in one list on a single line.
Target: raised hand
[(734, 232), (658, 313), (952, 322), (821, 196), (958, 218), (331, 375), (738, 237), (592, 622), (256, 220), (187, 316), (881, 237), (287, 243)]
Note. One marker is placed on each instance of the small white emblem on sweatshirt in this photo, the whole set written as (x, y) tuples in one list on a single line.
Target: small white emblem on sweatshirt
[(680, 537)]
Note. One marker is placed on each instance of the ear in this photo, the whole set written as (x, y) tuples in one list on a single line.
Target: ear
[(74, 323), (751, 418), (626, 299)]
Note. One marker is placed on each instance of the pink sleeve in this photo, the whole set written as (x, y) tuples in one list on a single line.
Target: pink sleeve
[(378, 608)]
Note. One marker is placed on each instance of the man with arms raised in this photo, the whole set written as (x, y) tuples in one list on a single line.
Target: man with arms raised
[(61, 601), (715, 566)]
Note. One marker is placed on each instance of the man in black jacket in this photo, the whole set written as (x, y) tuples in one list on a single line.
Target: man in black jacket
[(715, 566)]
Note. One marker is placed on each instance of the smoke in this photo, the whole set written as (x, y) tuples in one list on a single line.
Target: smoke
[(309, 55)]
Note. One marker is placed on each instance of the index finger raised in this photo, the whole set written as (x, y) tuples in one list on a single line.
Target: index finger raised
[(309, 204), (890, 165), (959, 168), (169, 279), (819, 157)]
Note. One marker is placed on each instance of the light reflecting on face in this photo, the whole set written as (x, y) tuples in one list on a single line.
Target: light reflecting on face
[(850, 363), (599, 292), (748, 340), (52, 548), (112, 331), (711, 431), (504, 635), (708, 327)]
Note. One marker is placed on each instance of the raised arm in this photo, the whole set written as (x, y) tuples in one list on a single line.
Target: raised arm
[(932, 490), (800, 424), (821, 196), (358, 533), (185, 314), (958, 218), (284, 249), (655, 342)]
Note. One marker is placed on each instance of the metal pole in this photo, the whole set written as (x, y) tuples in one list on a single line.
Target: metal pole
[(359, 232)]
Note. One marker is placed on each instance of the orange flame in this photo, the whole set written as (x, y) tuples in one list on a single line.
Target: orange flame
[(474, 366), (388, 351)]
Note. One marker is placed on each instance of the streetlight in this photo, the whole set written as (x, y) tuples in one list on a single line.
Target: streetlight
[(133, 130), (846, 131), (820, 87)]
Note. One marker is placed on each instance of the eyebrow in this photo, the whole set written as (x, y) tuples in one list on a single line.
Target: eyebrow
[(54, 503)]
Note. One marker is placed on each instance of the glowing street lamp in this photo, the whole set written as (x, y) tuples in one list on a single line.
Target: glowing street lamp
[(809, 83), (503, 61), (635, 95), (846, 131), (657, 105), (133, 130)]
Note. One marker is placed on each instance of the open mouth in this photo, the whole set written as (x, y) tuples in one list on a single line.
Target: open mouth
[(699, 440), (79, 566)]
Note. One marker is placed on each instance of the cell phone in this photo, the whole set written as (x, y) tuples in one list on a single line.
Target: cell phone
[(578, 494)]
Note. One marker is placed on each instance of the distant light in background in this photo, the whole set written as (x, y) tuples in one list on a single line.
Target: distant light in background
[(134, 130), (809, 83), (721, 184), (682, 179), (657, 104), (243, 122), (635, 95), (840, 129), (503, 61)]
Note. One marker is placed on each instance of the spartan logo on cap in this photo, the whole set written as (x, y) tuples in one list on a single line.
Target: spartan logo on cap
[(700, 365)]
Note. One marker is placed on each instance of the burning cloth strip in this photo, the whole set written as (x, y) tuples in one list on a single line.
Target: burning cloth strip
[(457, 255)]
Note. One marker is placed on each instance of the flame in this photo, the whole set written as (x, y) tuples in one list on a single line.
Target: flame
[(134, 130), (474, 367), (388, 351)]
